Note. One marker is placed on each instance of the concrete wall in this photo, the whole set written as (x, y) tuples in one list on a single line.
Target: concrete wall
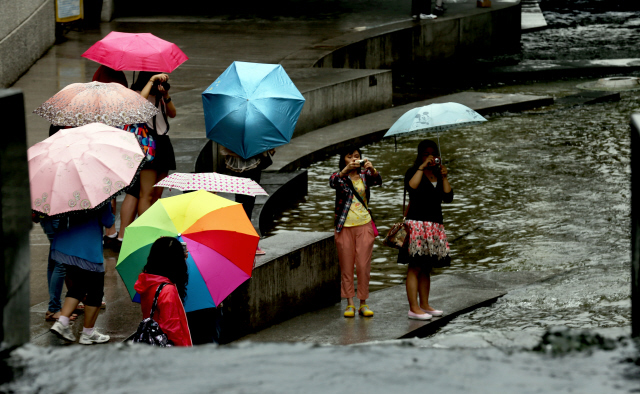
[(299, 274), (635, 225), (15, 223), (348, 94), (478, 32), (27, 30)]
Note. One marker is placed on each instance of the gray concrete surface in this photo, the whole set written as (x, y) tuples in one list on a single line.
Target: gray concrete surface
[(462, 33), (298, 273), (453, 293), (27, 30), (532, 17), (365, 129)]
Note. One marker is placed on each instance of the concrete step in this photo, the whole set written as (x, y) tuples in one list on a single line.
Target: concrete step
[(455, 294)]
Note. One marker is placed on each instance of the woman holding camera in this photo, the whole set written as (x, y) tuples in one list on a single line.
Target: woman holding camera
[(428, 187), (155, 88), (354, 228)]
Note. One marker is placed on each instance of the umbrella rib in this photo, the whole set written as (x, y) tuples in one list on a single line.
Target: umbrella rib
[(267, 118)]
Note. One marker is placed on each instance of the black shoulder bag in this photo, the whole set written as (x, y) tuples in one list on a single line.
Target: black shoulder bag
[(149, 332)]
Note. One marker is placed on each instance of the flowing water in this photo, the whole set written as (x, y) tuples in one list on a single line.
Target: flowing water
[(543, 190), (540, 190)]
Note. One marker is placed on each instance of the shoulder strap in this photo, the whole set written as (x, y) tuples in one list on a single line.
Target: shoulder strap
[(155, 299), (164, 115), (355, 193)]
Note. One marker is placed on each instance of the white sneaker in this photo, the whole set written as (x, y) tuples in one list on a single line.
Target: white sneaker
[(95, 337), (63, 331), (425, 16)]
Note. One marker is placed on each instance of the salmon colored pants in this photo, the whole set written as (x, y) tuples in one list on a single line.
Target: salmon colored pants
[(355, 248)]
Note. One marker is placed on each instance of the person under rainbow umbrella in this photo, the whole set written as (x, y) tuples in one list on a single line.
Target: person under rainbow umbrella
[(220, 239)]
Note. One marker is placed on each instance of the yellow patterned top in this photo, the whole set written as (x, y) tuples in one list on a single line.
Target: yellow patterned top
[(358, 214)]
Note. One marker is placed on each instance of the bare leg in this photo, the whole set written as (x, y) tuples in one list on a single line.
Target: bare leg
[(127, 212), (350, 301), (413, 274), (424, 287), (147, 180), (90, 315), (157, 191), (69, 306)]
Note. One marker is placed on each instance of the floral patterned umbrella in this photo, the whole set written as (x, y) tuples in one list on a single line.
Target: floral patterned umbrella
[(81, 169), (79, 104), (213, 182)]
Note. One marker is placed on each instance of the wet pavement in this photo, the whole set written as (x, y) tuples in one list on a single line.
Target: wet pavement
[(212, 44)]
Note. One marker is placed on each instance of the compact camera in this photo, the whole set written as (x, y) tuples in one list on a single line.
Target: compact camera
[(362, 162), (184, 247), (436, 162)]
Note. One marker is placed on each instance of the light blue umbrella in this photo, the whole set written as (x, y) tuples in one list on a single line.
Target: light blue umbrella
[(434, 117), (251, 108)]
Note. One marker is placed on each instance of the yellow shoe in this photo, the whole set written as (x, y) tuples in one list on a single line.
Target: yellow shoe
[(350, 311), (365, 311)]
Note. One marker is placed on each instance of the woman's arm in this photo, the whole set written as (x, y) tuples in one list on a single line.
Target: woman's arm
[(171, 317), (372, 175), (446, 187), (415, 180), (337, 181), (147, 88)]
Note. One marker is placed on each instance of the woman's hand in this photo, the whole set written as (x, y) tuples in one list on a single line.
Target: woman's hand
[(429, 161), (369, 166), (350, 167), (444, 171), (159, 77)]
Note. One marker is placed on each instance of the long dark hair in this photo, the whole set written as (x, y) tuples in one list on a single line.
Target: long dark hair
[(347, 151), (106, 74), (166, 258), (142, 80), (422, 146)]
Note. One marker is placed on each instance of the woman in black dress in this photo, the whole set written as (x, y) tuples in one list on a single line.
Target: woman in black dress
[(428, 187)]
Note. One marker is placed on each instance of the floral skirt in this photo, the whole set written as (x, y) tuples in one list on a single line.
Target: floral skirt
[(427, 245)]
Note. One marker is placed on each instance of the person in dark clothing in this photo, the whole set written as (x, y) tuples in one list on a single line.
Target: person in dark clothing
[(428, 187)]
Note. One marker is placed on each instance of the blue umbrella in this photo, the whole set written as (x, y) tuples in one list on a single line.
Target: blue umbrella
[(252, 108), (434, 117)]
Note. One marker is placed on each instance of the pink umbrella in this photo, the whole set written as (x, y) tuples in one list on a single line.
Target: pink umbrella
[(136, 52), (213, 182), (81, 169), (79, 104)]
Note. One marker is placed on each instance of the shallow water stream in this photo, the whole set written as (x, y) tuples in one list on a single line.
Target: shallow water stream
[(541, 190)]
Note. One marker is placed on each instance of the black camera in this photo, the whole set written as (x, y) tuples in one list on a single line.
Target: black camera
[(157, 83)]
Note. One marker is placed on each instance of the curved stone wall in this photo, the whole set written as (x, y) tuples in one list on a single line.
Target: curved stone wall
[(27, 30), (464, 33)]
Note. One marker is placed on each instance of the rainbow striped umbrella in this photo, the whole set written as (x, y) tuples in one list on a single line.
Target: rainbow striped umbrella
[(220, 238)]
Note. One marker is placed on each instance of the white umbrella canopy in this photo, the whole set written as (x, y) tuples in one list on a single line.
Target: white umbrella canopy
[(213, 182)]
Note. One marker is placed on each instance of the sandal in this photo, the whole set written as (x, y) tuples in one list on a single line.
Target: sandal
[(365, 311), (50, 316), (350, 311)]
